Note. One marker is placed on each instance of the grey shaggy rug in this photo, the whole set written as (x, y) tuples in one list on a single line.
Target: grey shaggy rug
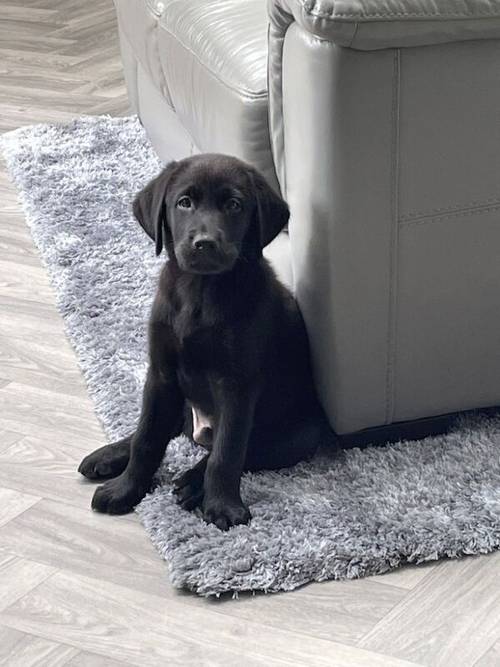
[(343, 515)]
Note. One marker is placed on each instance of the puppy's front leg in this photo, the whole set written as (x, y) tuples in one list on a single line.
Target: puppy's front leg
[(222, 504), (161, 420)]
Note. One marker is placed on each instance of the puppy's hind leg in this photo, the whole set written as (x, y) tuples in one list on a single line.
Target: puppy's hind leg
[(294, 442), (108, 461), (188, 487)]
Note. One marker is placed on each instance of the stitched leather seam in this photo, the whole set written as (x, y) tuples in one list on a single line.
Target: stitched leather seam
[(282, 147), (393, 252), (450, 216), (449, 209), (354, 34), (450, 15), (271, 143), (308, 8)]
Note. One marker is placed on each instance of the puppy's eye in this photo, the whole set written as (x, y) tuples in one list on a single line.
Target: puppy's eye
[(184, 202), (233, 205)]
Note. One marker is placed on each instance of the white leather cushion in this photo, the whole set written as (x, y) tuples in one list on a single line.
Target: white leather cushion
[(208, 60), (214, 59), (229, 37)]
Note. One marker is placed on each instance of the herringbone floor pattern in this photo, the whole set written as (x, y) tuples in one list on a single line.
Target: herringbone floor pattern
[(78, 588), (59, 58)]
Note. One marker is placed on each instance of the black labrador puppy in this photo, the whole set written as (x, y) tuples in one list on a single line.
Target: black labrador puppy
[(225, 338)]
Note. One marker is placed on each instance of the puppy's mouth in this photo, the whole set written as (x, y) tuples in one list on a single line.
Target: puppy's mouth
[(203, 263), (203, 268)]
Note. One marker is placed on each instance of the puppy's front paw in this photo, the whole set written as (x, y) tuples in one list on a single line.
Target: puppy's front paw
[(225, 512), (118, 496), (105, 462)]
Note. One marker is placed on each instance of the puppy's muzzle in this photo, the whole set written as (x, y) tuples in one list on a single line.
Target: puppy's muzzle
[(206, 254), (204, 244)]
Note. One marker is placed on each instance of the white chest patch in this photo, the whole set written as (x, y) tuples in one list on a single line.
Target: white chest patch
[(202, 428)]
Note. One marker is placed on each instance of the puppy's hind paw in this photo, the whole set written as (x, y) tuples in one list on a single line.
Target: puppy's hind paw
[(188, 489)]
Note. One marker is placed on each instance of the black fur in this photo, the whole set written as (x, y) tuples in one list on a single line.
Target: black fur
[(225, 336)]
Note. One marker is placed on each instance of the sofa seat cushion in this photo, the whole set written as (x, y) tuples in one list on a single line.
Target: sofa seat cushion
[(380, 24), (208, 58)]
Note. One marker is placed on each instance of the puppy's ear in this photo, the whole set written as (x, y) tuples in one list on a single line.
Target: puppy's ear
[(149, 206), (272, 210)]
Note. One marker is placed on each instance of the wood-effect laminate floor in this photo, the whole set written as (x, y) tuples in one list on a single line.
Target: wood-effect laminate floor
[(82, 589)]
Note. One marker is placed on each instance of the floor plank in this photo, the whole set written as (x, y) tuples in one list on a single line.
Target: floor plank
[(491, 658), (13, 503), (451, 618), (113, 549), (40, 365), (119, 623), (18, 576), (50, 409), (8, 438), (343, 611), (20, 649), (84, 659), (408, 576), (48, 468)]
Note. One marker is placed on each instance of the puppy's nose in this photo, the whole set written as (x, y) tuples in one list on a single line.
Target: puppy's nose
[(204, 243)]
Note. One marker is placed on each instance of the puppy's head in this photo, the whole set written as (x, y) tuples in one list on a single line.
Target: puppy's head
[(209, 211)]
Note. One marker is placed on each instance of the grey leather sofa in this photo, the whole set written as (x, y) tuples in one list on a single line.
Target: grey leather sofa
[(381, 123)]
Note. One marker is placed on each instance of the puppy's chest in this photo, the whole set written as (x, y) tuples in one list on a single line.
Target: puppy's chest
[(209, 338), (204, 343), (204, 349), (203, 355)]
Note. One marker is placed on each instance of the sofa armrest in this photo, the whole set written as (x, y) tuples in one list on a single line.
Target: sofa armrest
[(368, 142), (381, 24)]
